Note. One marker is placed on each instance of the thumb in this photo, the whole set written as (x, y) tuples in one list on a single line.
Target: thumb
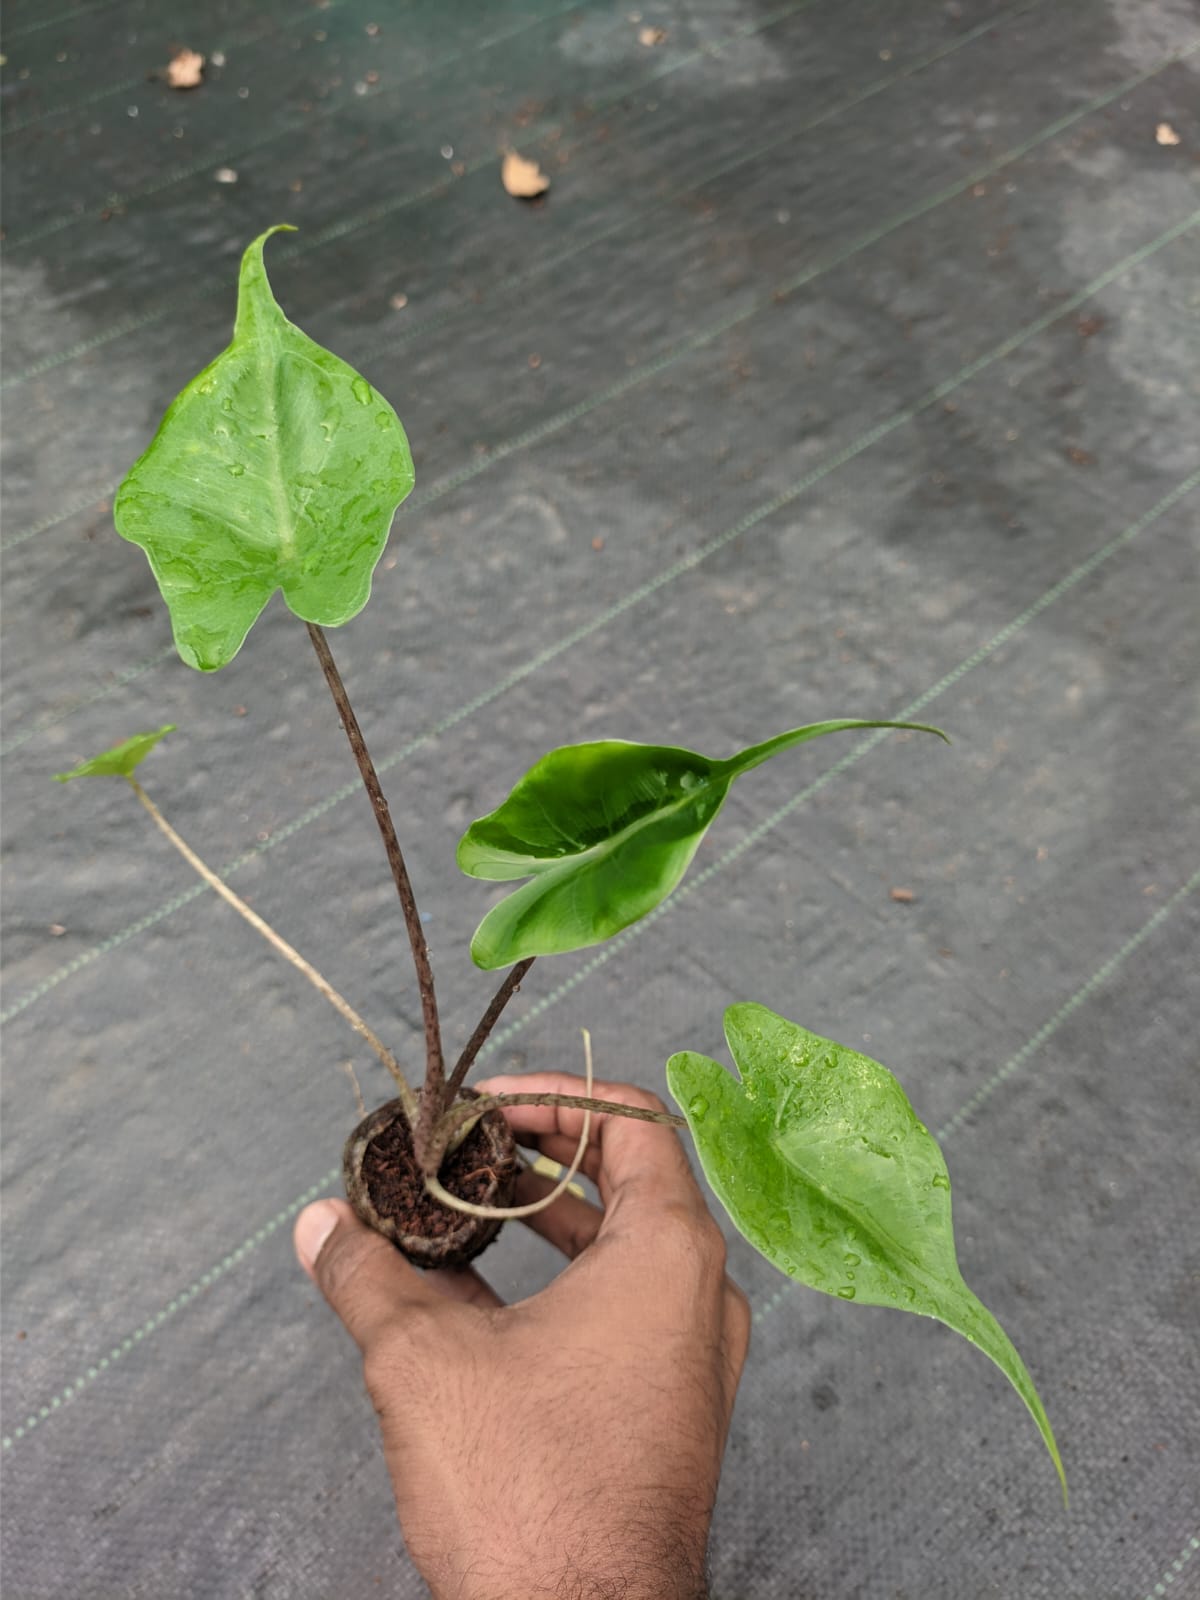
[(365, 1279)]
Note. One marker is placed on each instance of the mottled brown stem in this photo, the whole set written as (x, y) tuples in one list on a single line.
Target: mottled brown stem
[(460, 1116), (486, 1023), (433, 1088)]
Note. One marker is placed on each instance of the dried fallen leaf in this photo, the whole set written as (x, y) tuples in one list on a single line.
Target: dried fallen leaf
[(905, 896), (1165, 134), (651, 36), (185, 70), (523, 179)]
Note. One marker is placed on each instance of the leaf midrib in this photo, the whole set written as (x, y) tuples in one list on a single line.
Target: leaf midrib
[(602, 846)]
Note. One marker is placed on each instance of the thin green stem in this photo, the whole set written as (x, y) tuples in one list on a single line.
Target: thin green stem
[(322, 985)]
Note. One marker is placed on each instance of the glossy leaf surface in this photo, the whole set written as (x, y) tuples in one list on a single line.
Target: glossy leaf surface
[(822, 1164), (604, 831), (120, 761), (278, 467)]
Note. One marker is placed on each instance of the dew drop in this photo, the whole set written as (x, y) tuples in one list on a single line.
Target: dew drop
[(851, 1259), (940, 1181), (382, 421), (361, 390), (846, 1292), (698, 1107), (236, 470)]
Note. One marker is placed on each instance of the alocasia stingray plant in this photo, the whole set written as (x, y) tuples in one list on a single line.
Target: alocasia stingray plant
[(280, 468)]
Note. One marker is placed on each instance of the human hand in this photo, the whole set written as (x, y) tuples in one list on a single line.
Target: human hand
[(570, 1444)]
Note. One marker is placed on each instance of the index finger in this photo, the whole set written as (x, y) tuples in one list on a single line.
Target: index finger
[(634, 1164)]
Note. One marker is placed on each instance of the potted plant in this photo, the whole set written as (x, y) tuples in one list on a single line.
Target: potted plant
[(280, 468)]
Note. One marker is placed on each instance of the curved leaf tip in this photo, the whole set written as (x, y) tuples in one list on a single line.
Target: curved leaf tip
[(824, 1166), (604, 832), (121, 760)]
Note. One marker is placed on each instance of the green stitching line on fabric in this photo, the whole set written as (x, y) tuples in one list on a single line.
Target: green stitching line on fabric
[(679, 567), (52, 22), (50, 718), (191, 169), (333, 231), (366, 219), (90, 1373), (1033, 1045), (236, 41), (548, 263), (1176, 1567), (588, 967), (788, 286)]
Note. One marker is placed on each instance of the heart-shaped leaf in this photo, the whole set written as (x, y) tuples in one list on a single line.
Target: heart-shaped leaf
[(279, 467), (821, 1162), (605, 831), (120, 761)]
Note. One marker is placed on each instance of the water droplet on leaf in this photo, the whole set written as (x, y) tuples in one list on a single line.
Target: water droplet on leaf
[(851, 1259), (361, 390), (382, 421), (846, 1292), (698, 1107), (236, 469), (940, 1181)]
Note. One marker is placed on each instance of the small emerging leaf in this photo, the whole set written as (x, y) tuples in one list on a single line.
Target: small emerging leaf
[(279, 467), (120, 761), (821, 1162), (606, 831)]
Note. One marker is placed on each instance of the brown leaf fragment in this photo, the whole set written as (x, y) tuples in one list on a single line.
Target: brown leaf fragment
[(522, 179), (185, 70), (904, 896), (651, 36), (1165, 134)]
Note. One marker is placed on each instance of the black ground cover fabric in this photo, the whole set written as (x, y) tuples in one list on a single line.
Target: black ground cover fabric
[(849, 367)]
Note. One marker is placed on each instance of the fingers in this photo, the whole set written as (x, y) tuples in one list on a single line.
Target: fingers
[(634, 1164), (365, 1279), (735, 1342), (465, 1286), (570, 1224)]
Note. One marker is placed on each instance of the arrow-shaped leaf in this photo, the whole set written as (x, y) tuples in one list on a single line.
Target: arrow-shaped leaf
[(605, 831), (821, 1162), (120, 761), (279, 467)]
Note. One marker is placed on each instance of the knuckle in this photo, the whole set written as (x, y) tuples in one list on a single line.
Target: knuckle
[(739, 1317), (691, 1228)]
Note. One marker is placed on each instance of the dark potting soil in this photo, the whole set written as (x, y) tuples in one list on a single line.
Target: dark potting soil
[(397, 1189)]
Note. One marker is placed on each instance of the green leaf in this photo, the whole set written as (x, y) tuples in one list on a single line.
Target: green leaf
[(822, 1164), (120, 761), (605, 831), (279, 467)]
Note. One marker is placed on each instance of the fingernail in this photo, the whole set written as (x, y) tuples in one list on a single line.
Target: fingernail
[(313, 1226)]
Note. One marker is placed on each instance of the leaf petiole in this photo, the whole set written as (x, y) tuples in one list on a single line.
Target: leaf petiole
[(322, 985)]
